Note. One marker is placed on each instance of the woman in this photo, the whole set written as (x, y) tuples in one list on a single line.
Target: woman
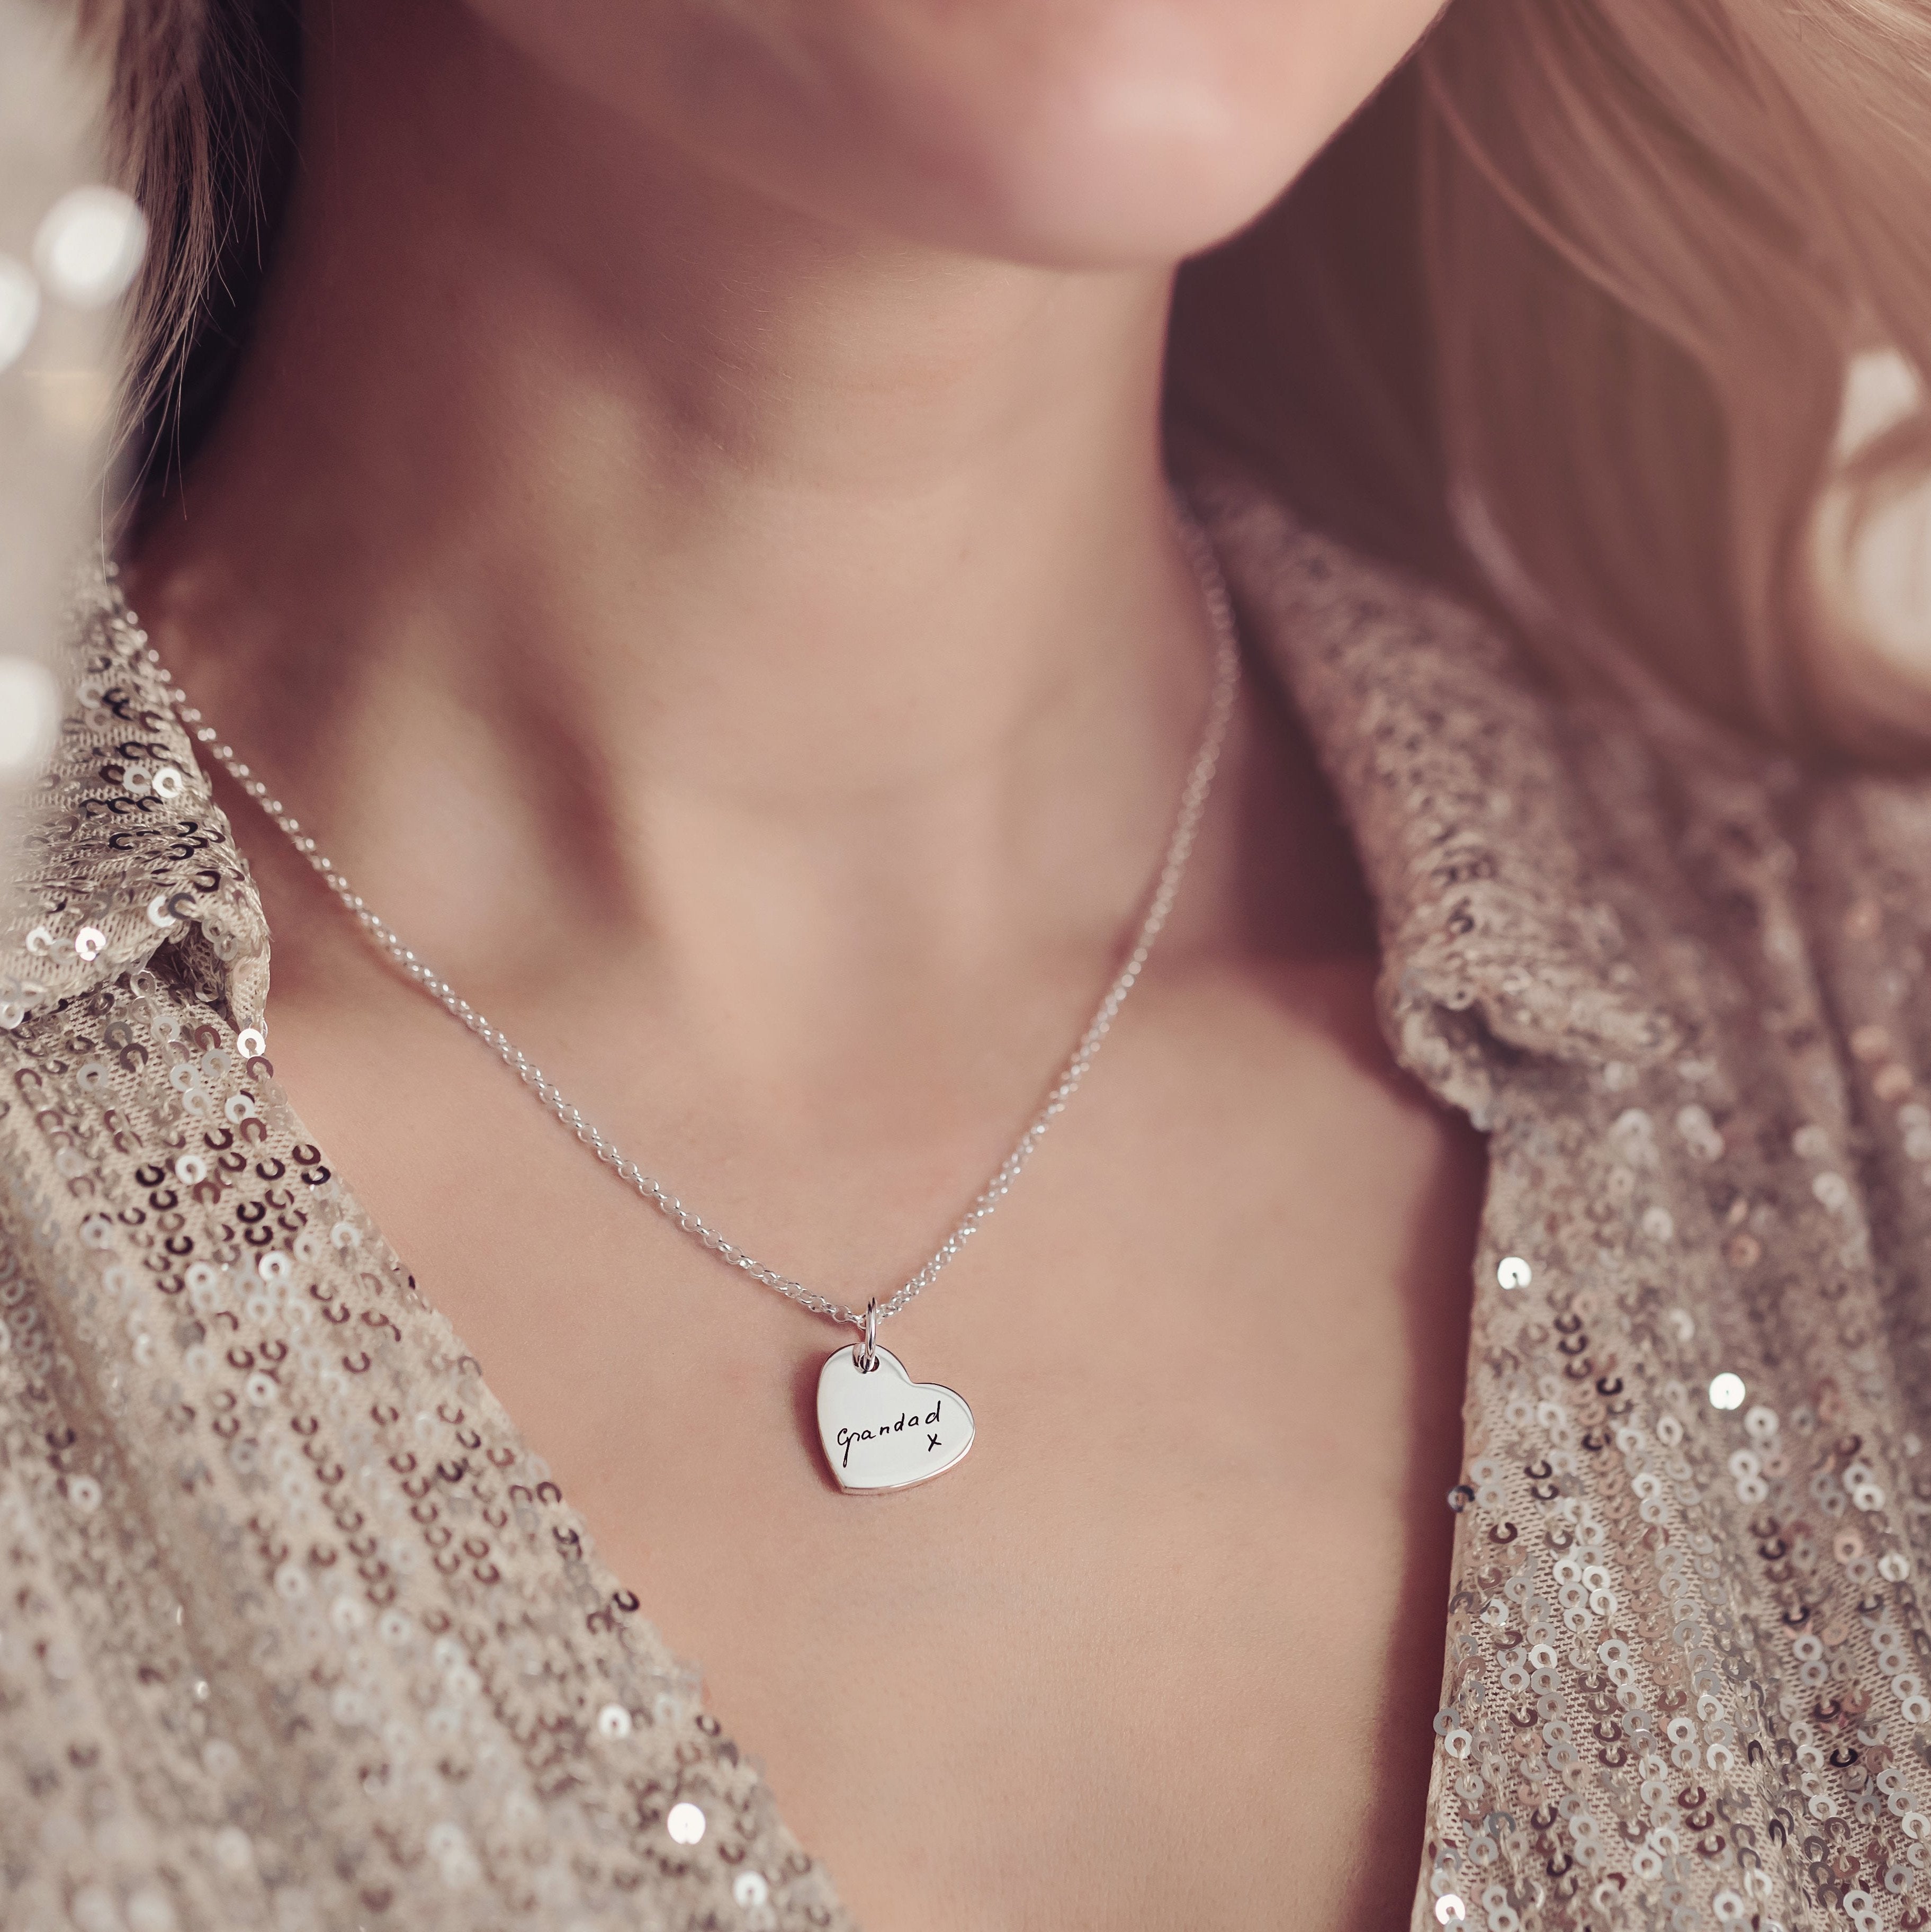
[(675, 504)]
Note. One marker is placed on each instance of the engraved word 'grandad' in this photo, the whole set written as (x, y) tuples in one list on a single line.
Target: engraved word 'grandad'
[(881, 1430)]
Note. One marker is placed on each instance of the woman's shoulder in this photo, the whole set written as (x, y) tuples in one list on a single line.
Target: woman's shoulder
[(1681, 980), (1551, 851)]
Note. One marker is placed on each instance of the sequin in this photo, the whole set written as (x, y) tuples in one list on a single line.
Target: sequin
[(685, 1823), (1512, 1272), (1893, 1083), (149, 1910), (1870, 1042), (1727, 1391), (93, 1909), (233, 1849)]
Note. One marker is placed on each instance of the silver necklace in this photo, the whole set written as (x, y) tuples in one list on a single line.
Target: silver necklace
[(880, 1430)]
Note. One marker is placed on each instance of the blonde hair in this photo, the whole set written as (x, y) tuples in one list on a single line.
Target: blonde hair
[(1564, 315), (1659, 230)]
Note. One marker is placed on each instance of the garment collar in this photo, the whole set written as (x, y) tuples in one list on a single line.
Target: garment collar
[(124, 862), (1452, 767)]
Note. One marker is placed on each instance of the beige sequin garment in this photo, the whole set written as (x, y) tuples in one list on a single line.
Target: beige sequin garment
[(295, 1632)]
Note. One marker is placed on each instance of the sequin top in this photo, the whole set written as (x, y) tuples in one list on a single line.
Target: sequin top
[(296, 1632)]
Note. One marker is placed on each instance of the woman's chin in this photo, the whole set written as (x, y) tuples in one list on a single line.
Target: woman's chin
[(1079, 133), (1120, 178), (1097, 133), (1080, 197)]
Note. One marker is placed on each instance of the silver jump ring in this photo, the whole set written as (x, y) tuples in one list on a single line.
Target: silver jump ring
[(865, 1354)]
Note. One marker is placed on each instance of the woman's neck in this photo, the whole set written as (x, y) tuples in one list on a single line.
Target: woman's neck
[(642, 547)]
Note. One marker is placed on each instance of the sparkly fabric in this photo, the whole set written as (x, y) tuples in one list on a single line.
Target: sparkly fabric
[(296, 1632)]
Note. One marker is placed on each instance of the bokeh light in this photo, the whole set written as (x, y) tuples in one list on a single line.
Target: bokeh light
[(89, 247), (20, 308), (29, 703)]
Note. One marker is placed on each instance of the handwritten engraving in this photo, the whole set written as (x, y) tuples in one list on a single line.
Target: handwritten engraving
[(848, 1437)]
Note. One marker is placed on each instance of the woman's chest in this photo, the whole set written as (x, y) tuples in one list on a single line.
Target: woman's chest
[(1133, 1665), (1162, 1648)]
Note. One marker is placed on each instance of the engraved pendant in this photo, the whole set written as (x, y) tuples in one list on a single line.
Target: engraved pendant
[(881, 1429)]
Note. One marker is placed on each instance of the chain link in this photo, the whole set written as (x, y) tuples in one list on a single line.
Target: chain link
[(1166, 888)]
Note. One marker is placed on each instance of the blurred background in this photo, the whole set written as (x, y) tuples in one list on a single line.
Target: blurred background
[(68, 247)]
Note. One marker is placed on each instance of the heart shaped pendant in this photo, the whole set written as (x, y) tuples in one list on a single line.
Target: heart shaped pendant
[(883, 1431)]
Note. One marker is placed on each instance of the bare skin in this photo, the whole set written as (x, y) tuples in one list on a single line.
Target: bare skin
[(746, 652)]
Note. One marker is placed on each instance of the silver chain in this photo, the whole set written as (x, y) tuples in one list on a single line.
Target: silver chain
[(1166, 888)]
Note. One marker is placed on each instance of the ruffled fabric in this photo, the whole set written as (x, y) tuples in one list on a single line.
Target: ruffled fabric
[(123, 851)]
